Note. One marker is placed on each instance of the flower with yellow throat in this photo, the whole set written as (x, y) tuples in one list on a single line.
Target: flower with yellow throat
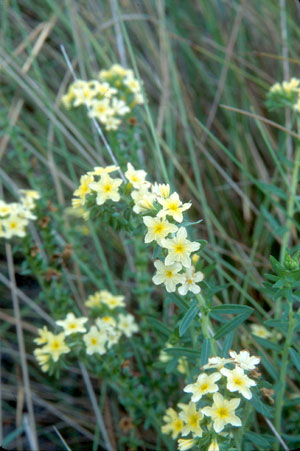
[(222, 412)]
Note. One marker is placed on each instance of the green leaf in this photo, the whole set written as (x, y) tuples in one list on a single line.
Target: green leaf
[(160, 327), (295, 358), (232, 308), (269, 367), (227, 344), (267, 344), (205, 351), (188, 317), (260, 439), (156, 252), (231, 325), (187, 224), (261, 407), (272, 189), (278, 324), (179, 352)]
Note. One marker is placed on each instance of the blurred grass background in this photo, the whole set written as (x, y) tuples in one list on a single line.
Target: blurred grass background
[(206, 68)]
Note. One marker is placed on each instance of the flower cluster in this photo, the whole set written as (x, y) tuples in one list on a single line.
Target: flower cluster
[(109, 98), (285, 94), (212, 406), (97, 182), (182, 365), (106, 331), (15, 216), (162, 215)]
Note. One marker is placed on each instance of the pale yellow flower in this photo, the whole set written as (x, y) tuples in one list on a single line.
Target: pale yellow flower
[(119, 107), (173, 207), (101, 109), (95, 341), (167, 274), (136, 177), (84, 188), (205, 384), (5, 208), (260, 331), (158, 228), (42, 359), (161, 190), (105, 322), (190, 283), (72, 325), (238, 381), (94, 300), (44, 335), (222, 412), (244, 360), (111, 300), (179, 248), (133, 84), (213, 446), (191, 418), (99, 170), (56, 346), (143, 199), (107, 189), (185, 443), (216, 362), (127, 324), (173, 424), (14, 225)]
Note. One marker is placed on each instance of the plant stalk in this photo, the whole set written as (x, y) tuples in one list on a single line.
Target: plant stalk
[(207, 328)]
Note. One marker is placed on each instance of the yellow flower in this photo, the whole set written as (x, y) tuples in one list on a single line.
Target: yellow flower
[(119, 107), (44, 335), (260, 331), (112, 123), (222, 412), (179, 248), (136, 177), (244, 360), (99, 170), (143, 199), (290, 86), (185, 444), (161, 190), (14, 225), (190, 282), (72, 325), (238, 381), (56, 346), (216, 362), (106, 189), (106, 322), (5, 209), (133, 84), (94, 300), (173, 424), (167, 274), (95, 341), (101, 110), (158, 228), (191, 418), (205, 384), (84, 188), (213, 446), (42, 359), (84, 93), (182, 366), (173, 207), (127, 324), (111, 300)]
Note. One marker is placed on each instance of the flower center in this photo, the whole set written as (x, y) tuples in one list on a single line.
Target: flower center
[(158, 228), (55, 345), (222, 412), (179, 248), (204, 387), (193, 420), (173, 207), (238, 381), (178, 425), (94, 341), (107, 188), (169, 274)]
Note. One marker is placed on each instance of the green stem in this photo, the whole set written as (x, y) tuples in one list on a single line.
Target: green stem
[(283, 370), (207, 328)]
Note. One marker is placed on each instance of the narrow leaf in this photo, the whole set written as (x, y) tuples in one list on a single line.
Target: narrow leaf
[(231, 325), (232, 308), (188, 317), (205, 351), (295, 358), (179, 352)]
